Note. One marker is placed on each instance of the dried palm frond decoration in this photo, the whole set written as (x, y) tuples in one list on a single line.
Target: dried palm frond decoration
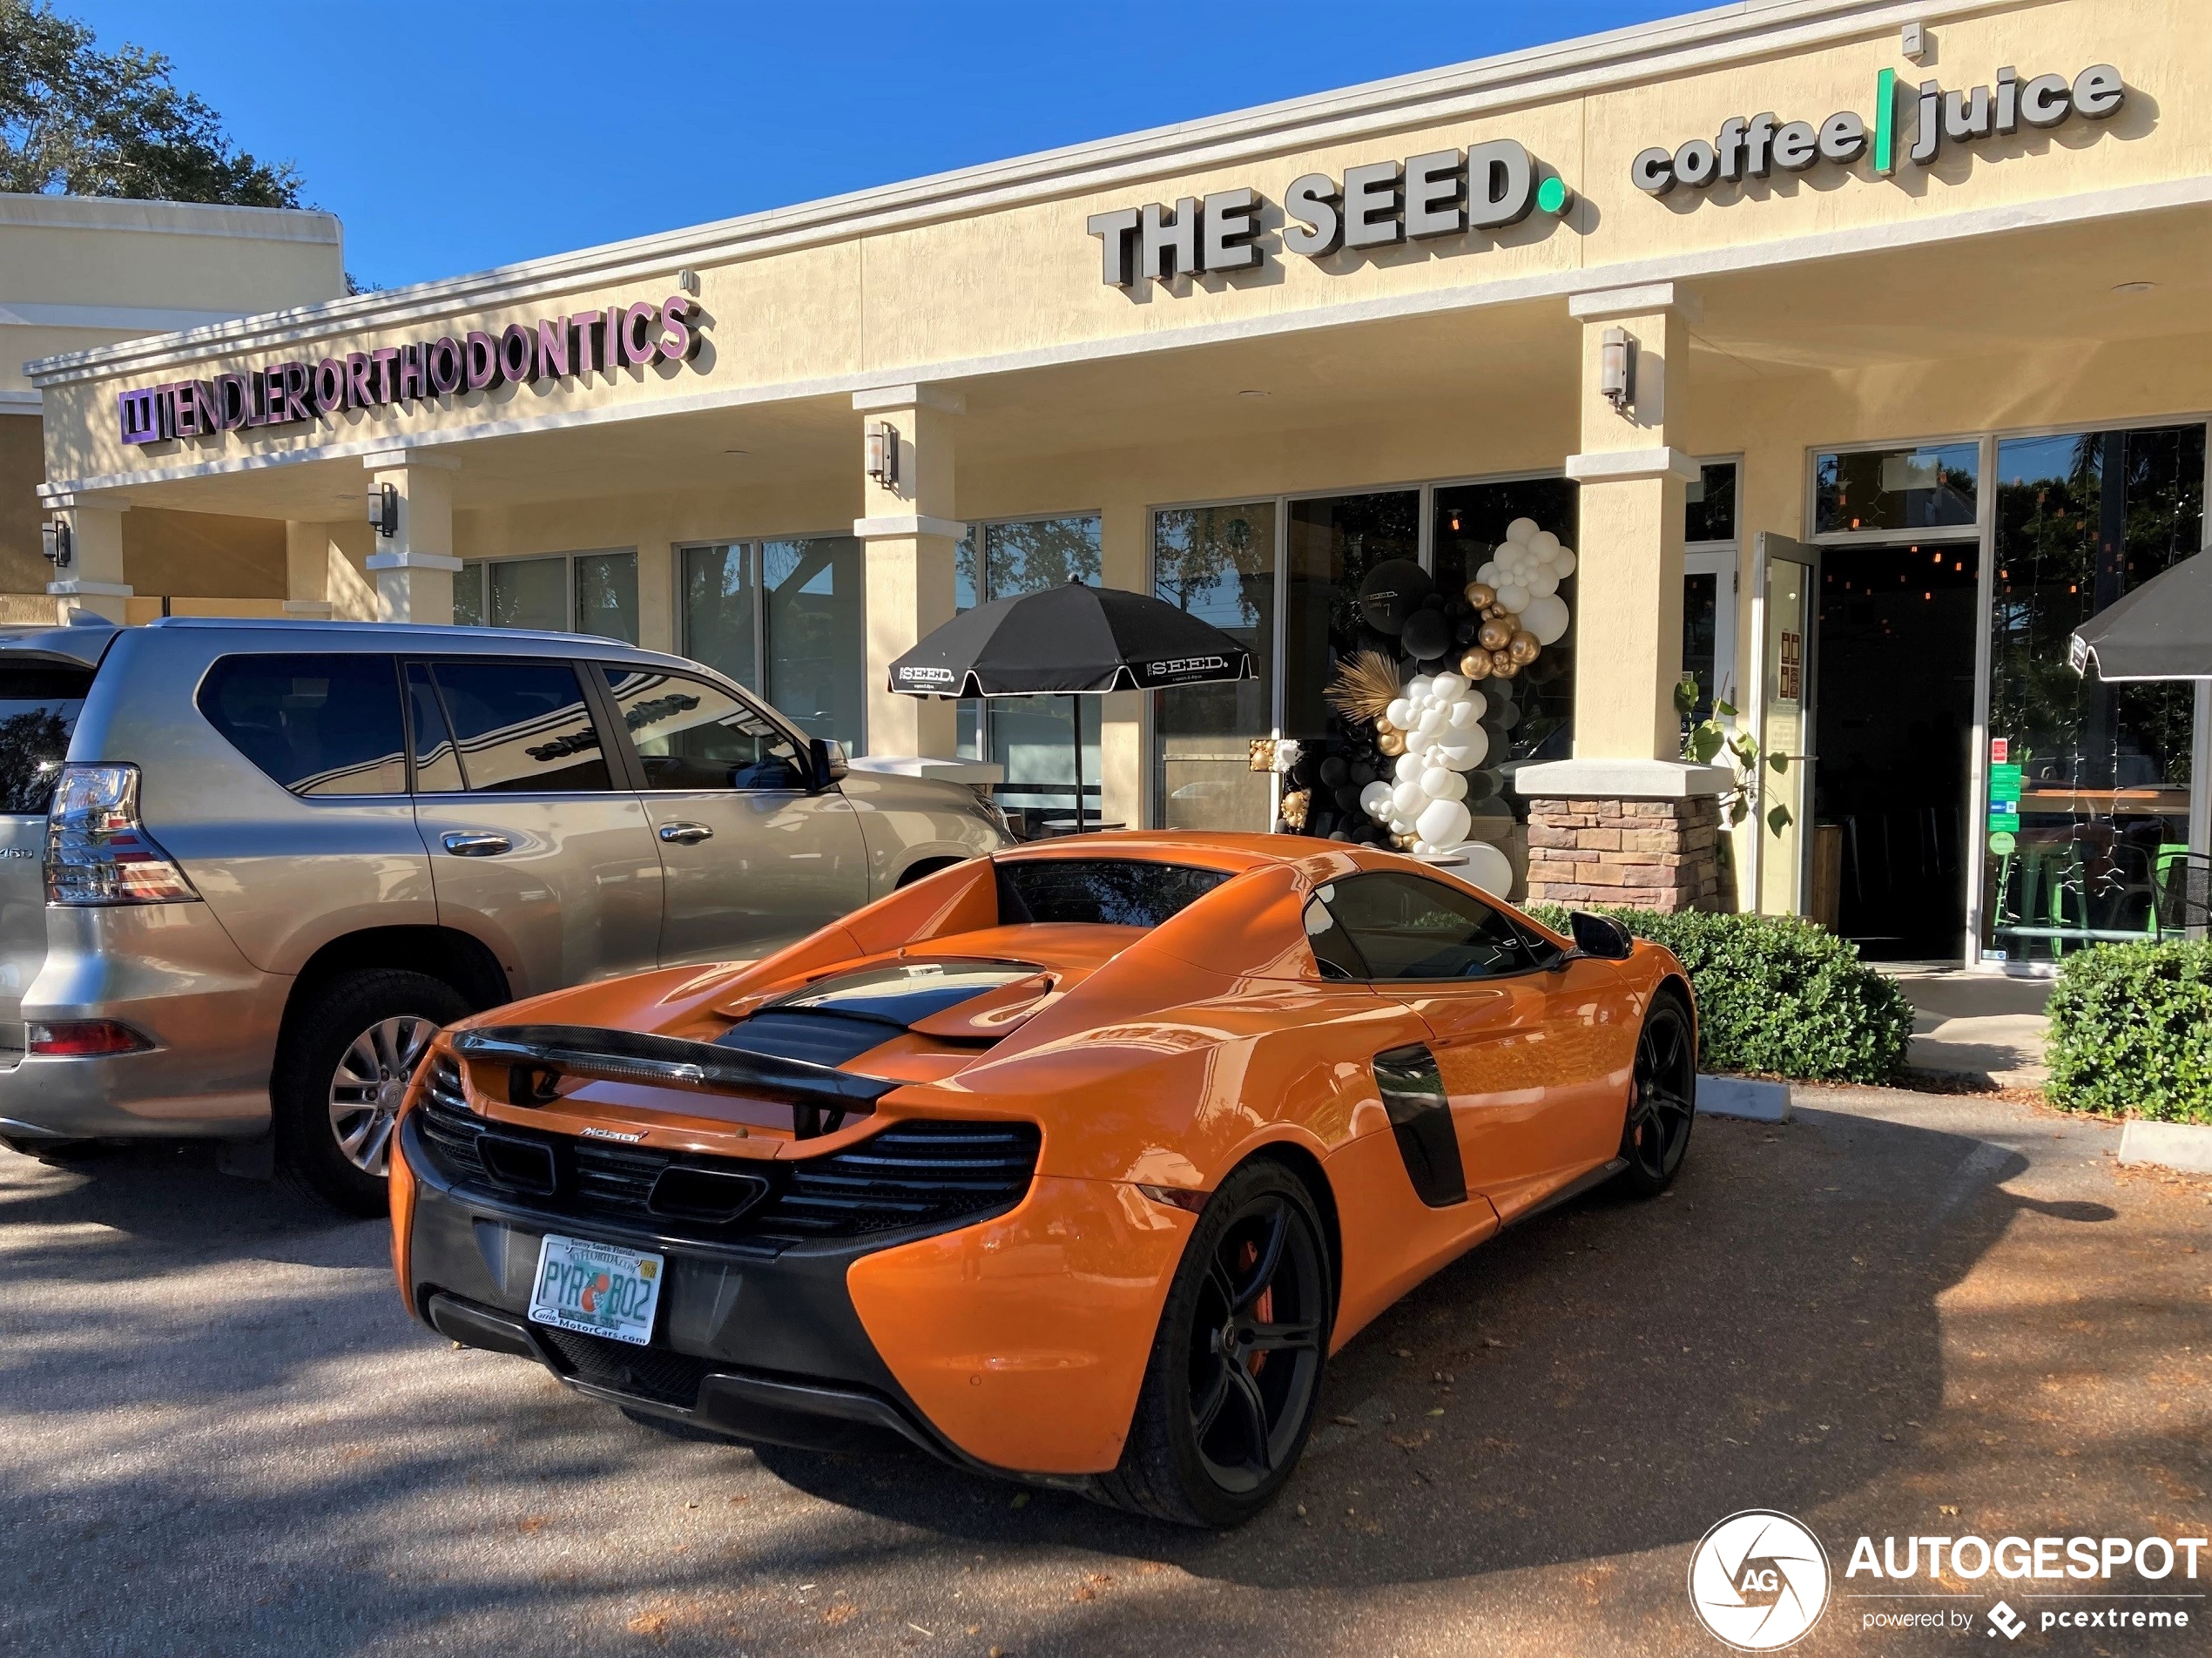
[(1364, 686)]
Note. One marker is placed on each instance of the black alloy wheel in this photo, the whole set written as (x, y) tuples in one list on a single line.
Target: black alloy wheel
[(1663, 1104), (1236, 1369)]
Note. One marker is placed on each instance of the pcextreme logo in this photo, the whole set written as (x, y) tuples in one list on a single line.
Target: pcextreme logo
[(1758, 1581)]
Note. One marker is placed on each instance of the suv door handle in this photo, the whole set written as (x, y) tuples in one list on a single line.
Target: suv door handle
[(686, 834), (477, 845)]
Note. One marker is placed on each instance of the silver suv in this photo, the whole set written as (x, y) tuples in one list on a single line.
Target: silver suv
[(248, 868)]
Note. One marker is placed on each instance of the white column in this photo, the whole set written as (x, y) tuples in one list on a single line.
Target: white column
[(910, 534), (92, 580), (307, 569), (414, 568)]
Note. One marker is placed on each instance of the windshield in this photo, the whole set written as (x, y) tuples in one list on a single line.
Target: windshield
[(1109, 892), (39, 704)]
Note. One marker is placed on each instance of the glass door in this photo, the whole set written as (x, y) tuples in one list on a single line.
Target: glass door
[(1788, 576)]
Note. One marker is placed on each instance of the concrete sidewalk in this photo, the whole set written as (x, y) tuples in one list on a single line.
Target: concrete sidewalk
[(1981, 1025)]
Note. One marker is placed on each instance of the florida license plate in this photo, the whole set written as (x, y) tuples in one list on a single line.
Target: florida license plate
[(597, 1290)]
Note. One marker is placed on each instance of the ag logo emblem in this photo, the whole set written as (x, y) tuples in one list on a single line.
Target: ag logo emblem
[(1759, 1580)]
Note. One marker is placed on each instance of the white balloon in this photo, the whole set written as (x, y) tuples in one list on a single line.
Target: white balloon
[(1547, 619), (1433, 724), (1449, 688), (1409, 800), (1520, 529), (1466, 749), (1375, 800), (1486, 867), (1468, 710), (1515, 597), (1542, 582), (1443, 783), (1409, 768), (1419, 846), (1563, 562), (1401, 714), (1444, 823), (1543, 543), (1398, 823), (1488, 573), (1417, 688)]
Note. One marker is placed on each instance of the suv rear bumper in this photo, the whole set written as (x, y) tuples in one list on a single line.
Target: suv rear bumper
[(170, 972)]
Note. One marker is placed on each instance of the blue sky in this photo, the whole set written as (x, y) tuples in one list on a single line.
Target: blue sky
[(453, 137)]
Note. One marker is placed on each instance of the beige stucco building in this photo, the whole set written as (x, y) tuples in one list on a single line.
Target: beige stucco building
[(77, 273), (1913, 301)]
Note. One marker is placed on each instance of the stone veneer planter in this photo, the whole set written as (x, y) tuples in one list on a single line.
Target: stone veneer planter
[(1642, 854)]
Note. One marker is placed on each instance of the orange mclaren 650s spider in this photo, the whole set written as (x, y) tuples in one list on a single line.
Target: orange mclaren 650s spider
[(1072, 1164)]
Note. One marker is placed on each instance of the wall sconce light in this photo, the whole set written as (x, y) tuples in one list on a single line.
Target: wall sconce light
[(688, 281), (1915, 42), (54, 533), (1617, 374), (384, 509), (883, 453)]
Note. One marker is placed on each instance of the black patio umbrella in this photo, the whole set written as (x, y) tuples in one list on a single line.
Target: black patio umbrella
[(2161, 630), (1067, 641)]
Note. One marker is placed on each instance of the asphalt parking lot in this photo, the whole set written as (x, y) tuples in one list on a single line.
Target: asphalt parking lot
[(220, 1434)]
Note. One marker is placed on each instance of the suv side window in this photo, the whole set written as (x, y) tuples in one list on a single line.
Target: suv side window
[(519, 728), (321, 725), (1388, 925), (689, 735)]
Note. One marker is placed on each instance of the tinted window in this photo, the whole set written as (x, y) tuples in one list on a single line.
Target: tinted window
[(1404, 926), (318, 724), (1112, 892), (691, 735), (39, 709), (437, 762), (522, 726)]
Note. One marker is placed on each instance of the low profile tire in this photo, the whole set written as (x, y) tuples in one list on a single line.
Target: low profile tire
[(340, 1071), (1663, 1102), (1235, 1374)]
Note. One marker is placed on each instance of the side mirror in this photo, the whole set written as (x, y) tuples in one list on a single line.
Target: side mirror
[(829, 762), (1600, 937)]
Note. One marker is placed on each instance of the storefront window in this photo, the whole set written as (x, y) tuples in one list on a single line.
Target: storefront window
[(2089, 783), (721, 622), (815, 643), (1933, 487), (1471, 520), (1710, 512), (1218, 564), (1701, 611), (593, 593), (1031, 737), (1334, 542)]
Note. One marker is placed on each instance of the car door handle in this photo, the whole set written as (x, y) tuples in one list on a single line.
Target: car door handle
[(685, 834), (477, 845)]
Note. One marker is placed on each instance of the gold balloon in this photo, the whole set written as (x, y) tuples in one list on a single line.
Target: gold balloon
[(1502, 667), (1391, 743), (1481, 595), (1475, 664), (1404, 843), (1523, 647), (1495, 635)]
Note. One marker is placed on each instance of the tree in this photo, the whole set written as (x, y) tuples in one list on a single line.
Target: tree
[(75, 120)]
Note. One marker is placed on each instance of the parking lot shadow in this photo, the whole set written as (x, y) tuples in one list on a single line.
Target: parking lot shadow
[(1610, 1377)]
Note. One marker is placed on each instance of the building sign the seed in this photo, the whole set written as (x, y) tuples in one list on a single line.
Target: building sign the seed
[(285, 393)]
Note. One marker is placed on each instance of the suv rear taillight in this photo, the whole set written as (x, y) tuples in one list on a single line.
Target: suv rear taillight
[(96, 850), (85, 1038)]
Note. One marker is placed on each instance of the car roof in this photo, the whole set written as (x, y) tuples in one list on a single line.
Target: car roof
[(86, 642)]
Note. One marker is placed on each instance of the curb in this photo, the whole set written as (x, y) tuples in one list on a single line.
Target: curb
[(2171, 1145), (1739, 1096)]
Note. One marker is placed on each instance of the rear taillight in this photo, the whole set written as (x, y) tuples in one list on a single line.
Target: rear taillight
[(96, 850), (85, 1038)]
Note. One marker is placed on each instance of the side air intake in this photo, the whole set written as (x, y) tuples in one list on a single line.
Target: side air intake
[(1421, 1117)]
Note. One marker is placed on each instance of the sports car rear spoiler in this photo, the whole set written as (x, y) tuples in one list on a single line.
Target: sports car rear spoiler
[(538, 1057)]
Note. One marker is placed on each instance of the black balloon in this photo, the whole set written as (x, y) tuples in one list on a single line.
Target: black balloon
[(1394, 590), (1334, 771), (1427, 635), (1464, 631), (1480, 785), (1338, 835), (1363, 773), (1456, 607)]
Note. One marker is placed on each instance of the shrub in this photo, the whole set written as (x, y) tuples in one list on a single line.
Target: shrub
[(2131, 1031), (1777, 994)]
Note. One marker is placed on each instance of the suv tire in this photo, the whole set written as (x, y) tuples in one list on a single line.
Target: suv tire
[(361, 1032)]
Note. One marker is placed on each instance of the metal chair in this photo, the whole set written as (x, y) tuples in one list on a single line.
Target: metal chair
[(2183, 887)]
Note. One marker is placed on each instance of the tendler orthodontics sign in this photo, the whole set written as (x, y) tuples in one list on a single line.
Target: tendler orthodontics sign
[(1755, 148), (285, 393), (1380, 204)]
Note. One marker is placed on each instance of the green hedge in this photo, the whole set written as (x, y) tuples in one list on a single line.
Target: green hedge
[(1776, 994), (2131, 1031)]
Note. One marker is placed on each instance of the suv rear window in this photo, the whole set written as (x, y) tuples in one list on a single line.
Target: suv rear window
[(39, 704), (1110, 892), (318, 724)]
